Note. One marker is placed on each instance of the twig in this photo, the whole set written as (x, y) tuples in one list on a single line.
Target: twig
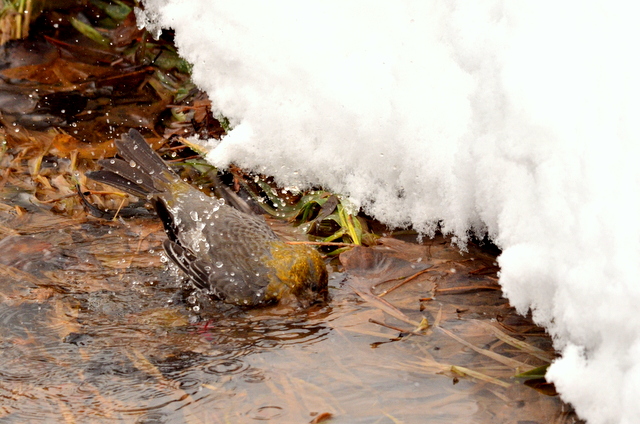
[(321, 243), (480, 376), (530, 349), (406, 280), (118, 211), (179, 160), (386, 307), (511, 363), (66, 196), (382, 324), (454, 290), (489, 269), (107, 192)]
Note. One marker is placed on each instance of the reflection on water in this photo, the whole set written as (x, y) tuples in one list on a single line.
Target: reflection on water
[(93, 329), (127, 351), (134, 365)]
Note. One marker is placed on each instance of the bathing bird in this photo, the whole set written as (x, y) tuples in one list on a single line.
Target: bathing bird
[(231, 254)]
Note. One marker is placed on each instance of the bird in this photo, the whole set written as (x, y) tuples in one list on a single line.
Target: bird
[(232, 255)]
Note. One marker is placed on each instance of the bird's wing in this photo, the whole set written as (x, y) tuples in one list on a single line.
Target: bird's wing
[(184, 258), (230, 283)]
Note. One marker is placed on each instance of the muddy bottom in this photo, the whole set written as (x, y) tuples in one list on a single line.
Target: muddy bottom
[(96, 328)]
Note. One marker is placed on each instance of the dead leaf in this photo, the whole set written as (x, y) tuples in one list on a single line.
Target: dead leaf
[(64, 145), (57, 72)]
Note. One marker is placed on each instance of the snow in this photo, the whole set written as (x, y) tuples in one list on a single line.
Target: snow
[(516, 119)]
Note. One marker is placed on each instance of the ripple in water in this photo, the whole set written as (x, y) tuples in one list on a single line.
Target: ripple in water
[(266, 413), (226, 367), (257, 332), (154, 417)]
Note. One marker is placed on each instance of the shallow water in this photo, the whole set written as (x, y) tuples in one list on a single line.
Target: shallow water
[(95, 329)]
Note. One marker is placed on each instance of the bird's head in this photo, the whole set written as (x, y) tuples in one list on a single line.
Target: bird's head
[(298, 275)]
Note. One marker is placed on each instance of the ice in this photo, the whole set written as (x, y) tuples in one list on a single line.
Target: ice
[(515, 119)]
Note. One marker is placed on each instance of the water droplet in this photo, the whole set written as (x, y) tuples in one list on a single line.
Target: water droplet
[(132, 163), (219, 264), (194, 215)]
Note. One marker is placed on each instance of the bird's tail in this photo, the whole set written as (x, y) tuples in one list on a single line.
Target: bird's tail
[(140, 172), (143, 173)]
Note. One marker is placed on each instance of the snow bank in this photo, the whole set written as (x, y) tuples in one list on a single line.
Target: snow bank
[(516, 119)]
